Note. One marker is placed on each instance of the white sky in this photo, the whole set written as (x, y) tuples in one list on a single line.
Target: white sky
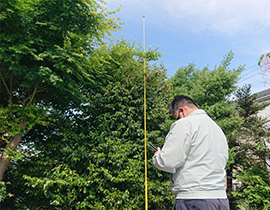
[(201, 31)]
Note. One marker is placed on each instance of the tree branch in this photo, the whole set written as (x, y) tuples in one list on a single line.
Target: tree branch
[(10, 88), (2, 77), (31, 96), (36, 90)]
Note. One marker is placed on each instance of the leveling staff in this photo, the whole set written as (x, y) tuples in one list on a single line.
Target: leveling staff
[(195, 152)]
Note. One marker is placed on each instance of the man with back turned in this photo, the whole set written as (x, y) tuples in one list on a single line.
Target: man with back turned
[(195, 154)]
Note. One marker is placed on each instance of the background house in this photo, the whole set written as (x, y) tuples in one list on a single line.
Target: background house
[(264, 96)]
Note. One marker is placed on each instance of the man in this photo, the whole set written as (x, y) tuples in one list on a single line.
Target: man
[(195, 152)]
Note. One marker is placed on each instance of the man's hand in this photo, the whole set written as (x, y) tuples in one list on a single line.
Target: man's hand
[(158, 150)]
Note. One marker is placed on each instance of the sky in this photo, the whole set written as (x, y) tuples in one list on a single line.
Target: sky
[(202, 32)]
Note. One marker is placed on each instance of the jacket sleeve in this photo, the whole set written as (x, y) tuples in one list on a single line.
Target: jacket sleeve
[(175, 150)]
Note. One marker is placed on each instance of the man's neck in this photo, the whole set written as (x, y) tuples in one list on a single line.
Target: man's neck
[(189, 110)]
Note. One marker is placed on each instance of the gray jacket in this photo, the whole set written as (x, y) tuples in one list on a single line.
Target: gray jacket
[(195, 152)]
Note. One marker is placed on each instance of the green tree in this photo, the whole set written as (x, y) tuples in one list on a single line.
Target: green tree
[(251, 164), (95, 156), (47, 54)]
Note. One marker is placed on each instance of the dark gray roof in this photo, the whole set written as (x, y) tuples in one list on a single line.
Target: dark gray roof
[(263, 95)]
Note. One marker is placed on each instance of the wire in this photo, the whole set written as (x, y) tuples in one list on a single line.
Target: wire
[(250, 72), (251, 67), (248, 77)]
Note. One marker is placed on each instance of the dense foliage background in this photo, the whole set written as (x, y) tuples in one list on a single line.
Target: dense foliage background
[(71, 113)]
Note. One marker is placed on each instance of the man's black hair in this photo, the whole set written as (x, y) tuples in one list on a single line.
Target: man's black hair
[(181, 100)]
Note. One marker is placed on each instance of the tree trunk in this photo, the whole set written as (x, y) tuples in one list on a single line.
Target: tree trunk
[(14, 142), (230, 188), (229, 180)]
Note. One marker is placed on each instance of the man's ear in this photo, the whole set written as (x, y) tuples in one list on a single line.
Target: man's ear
[(181, 109)]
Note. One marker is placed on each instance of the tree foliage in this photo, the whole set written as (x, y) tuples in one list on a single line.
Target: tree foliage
[(95, 157), (47, 53), (262, 57), (45, 50), (251, 164)]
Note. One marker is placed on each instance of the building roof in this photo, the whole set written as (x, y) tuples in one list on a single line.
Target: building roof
[(263, 95)]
